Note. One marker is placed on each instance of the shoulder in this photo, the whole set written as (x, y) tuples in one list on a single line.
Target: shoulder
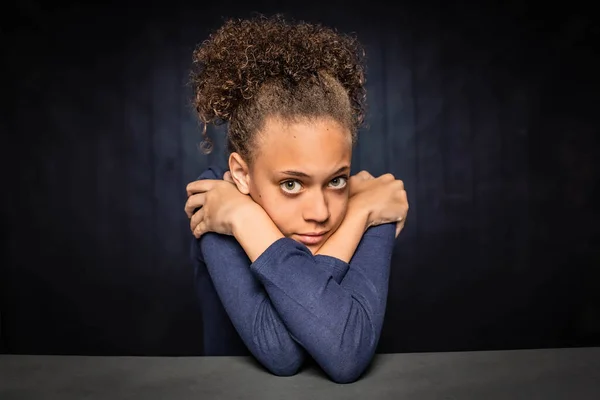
[(212, 172)]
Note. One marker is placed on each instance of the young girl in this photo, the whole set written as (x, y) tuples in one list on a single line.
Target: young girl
[(288, 259)]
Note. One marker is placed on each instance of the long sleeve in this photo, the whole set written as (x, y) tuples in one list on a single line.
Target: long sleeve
[(244, 300), (219, 335), (248, 306), (333, 309), (338, 324), (223, 276)]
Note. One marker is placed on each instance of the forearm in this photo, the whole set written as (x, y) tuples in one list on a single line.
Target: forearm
[(338, 324), (248, 305), (255, 219), (243, 299), (343, 243), (245, 225)]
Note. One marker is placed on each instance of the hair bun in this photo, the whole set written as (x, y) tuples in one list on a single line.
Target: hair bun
[(231, 66)]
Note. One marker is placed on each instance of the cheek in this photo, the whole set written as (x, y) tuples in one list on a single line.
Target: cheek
[(278, 208), (338, 205)]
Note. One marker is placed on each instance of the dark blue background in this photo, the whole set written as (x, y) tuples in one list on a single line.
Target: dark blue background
[(488, 114)]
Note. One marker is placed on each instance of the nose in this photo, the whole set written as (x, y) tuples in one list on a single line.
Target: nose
[(316, 208)]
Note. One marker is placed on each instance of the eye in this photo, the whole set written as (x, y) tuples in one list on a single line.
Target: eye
[(291, 187), (339, 182)]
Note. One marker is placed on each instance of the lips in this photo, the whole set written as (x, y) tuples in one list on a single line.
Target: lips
[(311, 238)]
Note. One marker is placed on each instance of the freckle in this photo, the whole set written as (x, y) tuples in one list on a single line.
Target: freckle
[(294, 136)]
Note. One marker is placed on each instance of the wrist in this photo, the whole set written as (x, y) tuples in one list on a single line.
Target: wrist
[(343, 243), (246, 222), (242, 215), (359, 214)]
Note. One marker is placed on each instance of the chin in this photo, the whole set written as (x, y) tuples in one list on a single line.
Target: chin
[(314, 249), (317, 246)]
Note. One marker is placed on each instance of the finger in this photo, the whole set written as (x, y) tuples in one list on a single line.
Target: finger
[(203, 185), (404, 197), (387, 177), (398, 193), (196, 219), (200, 230), (193, 203), (227, 177), (364, 175), (400, 226)]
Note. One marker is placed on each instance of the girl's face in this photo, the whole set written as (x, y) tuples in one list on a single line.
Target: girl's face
[(299, 176)]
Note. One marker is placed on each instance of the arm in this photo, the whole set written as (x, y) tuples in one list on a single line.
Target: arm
[(342, 245), (247, 305), (245, 300), (338, 324)]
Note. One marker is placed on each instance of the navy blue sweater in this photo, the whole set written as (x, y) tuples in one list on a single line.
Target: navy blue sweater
[(290, 302)]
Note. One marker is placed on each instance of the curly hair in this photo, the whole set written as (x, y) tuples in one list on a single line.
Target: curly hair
[(251, 69)]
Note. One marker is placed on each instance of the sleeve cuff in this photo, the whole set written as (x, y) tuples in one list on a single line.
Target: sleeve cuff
[(276, 248), (272, 255), (383, 231), (335, 266)]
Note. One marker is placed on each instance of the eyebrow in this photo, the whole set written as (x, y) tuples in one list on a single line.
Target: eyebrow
[(300, 174)]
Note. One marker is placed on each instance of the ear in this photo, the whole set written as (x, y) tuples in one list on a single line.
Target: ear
[(240, 172)]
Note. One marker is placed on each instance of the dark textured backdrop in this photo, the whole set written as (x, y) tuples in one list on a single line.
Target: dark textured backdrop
[(489, 115)]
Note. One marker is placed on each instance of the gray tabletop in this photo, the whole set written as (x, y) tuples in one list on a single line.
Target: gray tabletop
[(521, 374)]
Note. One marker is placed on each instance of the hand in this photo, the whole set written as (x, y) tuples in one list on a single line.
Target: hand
[(212, 205), (227, 177), (384, 198)]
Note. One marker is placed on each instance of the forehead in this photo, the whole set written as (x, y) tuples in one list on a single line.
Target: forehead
[(314, 146)]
